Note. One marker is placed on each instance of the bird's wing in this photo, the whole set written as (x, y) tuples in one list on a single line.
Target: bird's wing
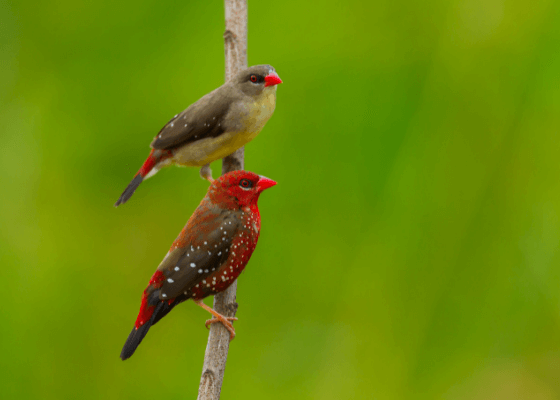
[(200, 258), (200, 120)]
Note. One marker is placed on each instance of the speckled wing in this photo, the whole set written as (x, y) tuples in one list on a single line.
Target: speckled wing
[(200, 260), (203, 119)]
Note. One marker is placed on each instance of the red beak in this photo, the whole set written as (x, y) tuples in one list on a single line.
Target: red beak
[(264, 183), (272, 79)]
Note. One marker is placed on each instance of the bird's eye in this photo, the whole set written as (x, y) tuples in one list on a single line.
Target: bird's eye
[(254, 78), (246, 183)]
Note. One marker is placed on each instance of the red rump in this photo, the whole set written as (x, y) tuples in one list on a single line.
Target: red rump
[(145, 313), (148, 165), (146, 310), (157, 279), (152, 160)]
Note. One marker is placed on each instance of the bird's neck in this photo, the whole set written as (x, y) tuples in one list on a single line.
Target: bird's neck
[(253, 211), (252, 208)]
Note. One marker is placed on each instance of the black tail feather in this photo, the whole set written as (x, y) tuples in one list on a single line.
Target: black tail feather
[(137, 335), (130, 189)]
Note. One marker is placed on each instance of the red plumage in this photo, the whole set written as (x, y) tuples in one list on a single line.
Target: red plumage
[(148, 165), (146, 310), (209, 253)]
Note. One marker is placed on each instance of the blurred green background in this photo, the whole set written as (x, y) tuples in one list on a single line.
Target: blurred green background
[(409, 251)]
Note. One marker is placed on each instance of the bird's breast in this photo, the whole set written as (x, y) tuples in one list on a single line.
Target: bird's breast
[(258, 114)]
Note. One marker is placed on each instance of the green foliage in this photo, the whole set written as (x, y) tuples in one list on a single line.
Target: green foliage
[(409, 251)]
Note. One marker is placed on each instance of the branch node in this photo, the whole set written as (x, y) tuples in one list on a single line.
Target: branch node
[(206, 385), (229, 36)]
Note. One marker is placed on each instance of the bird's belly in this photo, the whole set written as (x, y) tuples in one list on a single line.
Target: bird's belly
[(207, 150)]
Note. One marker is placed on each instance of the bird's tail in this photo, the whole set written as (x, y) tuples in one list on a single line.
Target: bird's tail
[(154, 314), (137, 334), (147, 169)]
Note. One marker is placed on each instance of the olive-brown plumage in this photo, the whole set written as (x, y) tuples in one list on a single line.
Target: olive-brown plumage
[(209, 253), (214, 127)]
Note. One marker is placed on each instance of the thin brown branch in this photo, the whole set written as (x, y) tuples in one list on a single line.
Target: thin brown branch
[(235, 38)]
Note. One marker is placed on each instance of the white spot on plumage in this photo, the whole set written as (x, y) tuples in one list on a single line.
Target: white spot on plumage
[(200, 271), (170, 280), (163, 295), (176, 268), (205, 243), (193, 265), (206, 270)]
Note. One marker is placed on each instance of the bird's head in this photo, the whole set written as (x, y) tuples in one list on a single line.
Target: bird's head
[(238, 189), (255, 80)]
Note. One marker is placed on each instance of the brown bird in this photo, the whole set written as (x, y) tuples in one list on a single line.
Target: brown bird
[(208, 255), (213, 127)]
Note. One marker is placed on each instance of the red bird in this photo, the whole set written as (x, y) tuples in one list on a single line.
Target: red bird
[(208, 255)]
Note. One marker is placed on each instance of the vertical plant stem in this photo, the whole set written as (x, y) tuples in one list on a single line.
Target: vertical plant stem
[(215, 357)]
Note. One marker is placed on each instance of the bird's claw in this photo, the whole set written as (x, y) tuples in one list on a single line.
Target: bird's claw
[(225, 322)]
